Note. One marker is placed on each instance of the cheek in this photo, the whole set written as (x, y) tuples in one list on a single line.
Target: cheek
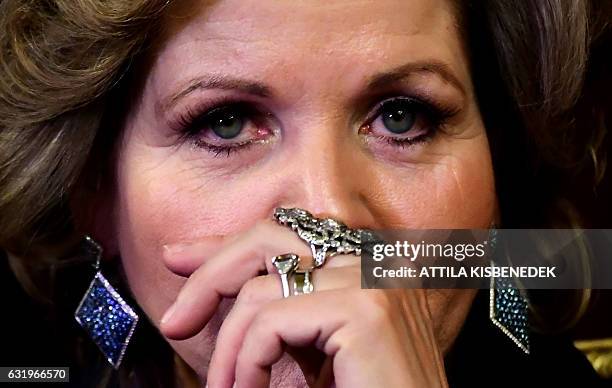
[(463, 195), (160, 202), (454, 191), (164, 203)]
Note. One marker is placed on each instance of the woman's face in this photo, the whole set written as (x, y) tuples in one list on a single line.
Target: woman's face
[(363, 111)]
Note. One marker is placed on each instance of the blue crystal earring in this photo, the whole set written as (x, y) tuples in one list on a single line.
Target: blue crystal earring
[(508, 307), (105, 316)]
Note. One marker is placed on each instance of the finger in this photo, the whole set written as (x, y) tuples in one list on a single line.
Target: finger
[(224, 274), (361, 330), (255, 294), (184, 258), (280, 324)]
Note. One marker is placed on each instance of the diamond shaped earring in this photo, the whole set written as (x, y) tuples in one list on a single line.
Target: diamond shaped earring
[(508, 306), (105, 316), (508, 310)]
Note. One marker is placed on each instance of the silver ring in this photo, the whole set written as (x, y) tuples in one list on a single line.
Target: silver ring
[(302, 282), (285, 265), (325, 236)]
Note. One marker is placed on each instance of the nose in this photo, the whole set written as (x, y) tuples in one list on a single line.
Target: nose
[(328, 175)]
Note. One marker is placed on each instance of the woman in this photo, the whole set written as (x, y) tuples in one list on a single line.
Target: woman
[(170, 131)]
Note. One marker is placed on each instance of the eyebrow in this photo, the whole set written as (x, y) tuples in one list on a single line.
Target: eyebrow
[(378, 81), (388, 78), (219, 82)]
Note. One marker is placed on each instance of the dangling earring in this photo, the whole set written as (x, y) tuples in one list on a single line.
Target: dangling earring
[(508, 307), (104, 315)]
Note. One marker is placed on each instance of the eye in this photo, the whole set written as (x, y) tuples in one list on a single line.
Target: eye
[(225, 122), (397, 116), (228, 128), (401, 121)]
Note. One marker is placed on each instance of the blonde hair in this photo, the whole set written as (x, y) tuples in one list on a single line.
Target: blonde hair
[(59, 61)]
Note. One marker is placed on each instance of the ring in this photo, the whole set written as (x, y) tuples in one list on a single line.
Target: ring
[(285, 265), (327, 237), (302, 283)]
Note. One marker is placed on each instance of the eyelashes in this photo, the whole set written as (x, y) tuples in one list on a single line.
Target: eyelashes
[(192, 123), (229, 126), (222, 129), (403, 121)]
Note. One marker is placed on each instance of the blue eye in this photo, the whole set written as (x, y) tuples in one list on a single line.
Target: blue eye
[(226, 122), (404, 121), (226, 129), (398, 116)]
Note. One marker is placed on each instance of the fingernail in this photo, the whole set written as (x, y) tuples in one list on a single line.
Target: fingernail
[(168, 314)]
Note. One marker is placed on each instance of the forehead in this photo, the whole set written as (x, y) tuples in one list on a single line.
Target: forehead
[(283, 39)]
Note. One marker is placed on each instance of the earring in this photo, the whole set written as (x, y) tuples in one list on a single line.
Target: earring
[(508, 307), (105, 316)]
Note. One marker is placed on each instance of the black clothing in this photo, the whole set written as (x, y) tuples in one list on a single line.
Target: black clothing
[(483, 356)]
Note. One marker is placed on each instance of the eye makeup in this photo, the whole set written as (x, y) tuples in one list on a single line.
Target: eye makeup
[(224, 127), (227, 126), (403, 121)]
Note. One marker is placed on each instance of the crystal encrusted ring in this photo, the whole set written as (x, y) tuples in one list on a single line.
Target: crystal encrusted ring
[(325, 236)]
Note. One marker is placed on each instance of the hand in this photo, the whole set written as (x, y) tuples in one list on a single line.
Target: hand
[(369, 338)]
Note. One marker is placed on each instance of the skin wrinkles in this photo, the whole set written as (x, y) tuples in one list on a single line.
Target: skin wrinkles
[(316, 65)]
